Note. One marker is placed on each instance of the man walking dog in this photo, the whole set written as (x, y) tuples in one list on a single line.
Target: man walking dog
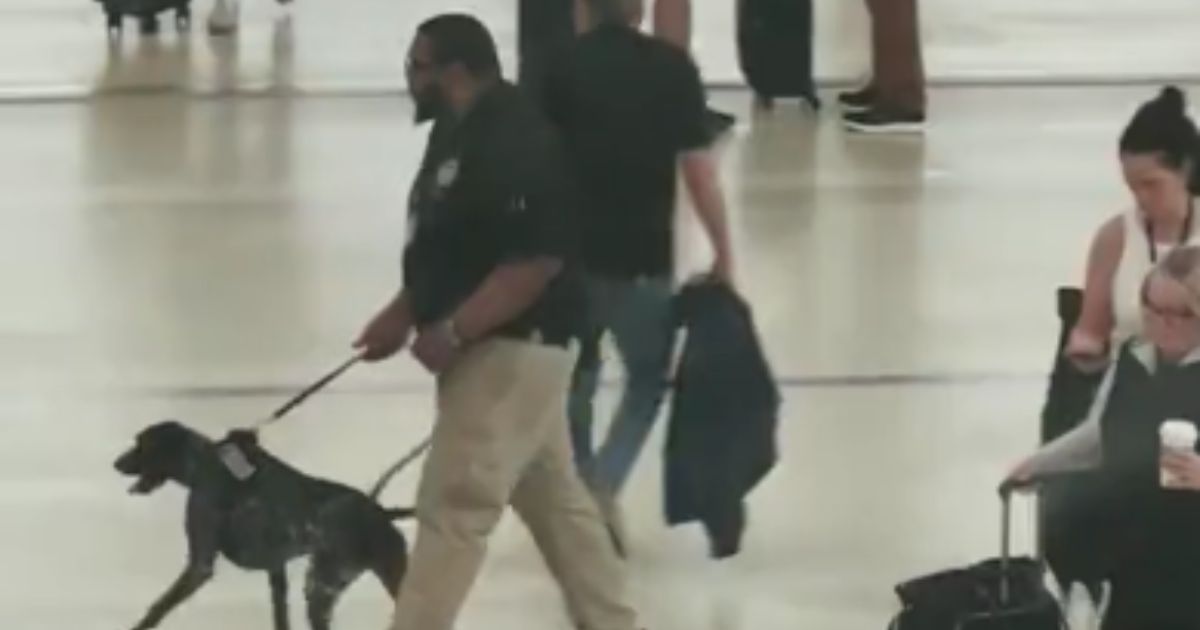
[(488, 291)]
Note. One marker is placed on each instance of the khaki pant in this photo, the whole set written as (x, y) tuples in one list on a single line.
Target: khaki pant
[(898, 70), (501, 438)]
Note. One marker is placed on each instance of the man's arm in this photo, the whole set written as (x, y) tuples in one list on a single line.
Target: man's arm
[(692, 140), (704, 186), (506, 293), (388, 331)]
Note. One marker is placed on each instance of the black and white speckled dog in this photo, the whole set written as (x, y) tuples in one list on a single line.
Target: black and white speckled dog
[(262, 522)]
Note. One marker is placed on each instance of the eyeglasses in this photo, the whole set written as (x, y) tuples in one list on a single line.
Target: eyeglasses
[(412, 65)]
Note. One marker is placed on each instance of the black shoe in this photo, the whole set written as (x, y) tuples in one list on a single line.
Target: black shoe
[(148, 25), (885, 120), (718, 123), (858, 100)]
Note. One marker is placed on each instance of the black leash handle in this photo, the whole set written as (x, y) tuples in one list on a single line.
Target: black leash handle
[(1005, 544), (308, 391)]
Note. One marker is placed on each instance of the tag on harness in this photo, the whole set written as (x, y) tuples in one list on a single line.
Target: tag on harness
[(235, 460)]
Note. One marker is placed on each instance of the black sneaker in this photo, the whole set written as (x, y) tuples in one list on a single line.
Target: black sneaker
[(885, 120), (718, 123), (858, 100)]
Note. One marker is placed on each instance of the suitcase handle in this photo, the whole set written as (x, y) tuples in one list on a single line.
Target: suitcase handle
[(1005, 543), (1006, 492)]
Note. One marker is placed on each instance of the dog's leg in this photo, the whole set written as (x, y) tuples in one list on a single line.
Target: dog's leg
[(201, 524), (326, 581), (389, 562), (194, 576), (279, 598)]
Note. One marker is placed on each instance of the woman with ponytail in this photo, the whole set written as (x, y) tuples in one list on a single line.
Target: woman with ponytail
[(1160, 158), (1159, 153)]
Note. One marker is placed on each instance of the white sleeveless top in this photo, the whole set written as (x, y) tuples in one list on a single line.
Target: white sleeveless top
[(1132, 269)]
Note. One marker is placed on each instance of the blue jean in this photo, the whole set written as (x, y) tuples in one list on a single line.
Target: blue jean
[(638, 314)]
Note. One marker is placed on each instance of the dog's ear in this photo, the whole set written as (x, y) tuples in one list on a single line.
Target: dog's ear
[(163, 429), (163, 444)]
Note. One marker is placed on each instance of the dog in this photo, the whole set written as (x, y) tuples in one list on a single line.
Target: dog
[(263, 520)]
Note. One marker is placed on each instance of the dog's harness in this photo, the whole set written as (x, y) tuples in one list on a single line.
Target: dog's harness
[(236, 461)]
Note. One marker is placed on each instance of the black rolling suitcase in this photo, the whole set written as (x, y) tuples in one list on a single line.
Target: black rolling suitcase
[(775, 44), (1003, 593), (147, 13)]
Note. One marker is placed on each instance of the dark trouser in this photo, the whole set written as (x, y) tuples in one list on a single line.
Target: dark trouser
[(1144, 601), (1155, 574), (542, 27), (898, 71)]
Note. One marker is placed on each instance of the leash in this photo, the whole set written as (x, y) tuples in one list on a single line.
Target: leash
[(233, 457), (304, 394), (241, 467), (387, 476)]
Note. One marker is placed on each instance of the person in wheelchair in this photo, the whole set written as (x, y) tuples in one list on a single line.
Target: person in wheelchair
[(1159, 153), (1150, 527)]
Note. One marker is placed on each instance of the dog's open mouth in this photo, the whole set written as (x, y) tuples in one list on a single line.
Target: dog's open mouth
[(146, 484)]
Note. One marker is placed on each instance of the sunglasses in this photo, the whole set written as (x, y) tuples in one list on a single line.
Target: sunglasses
[(412, 65)]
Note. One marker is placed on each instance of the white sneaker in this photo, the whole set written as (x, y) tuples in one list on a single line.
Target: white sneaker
[(224, 18), (1102, 605), (1079, 609)]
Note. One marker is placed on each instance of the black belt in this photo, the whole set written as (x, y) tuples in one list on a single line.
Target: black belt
[(537, 336)]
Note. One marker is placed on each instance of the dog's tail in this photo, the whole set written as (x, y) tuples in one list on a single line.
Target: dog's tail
[(384, 480), (400, 514)]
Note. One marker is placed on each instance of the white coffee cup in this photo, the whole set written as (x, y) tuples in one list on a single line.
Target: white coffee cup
[(1180, 436)]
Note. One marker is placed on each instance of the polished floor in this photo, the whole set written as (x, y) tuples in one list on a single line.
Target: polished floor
[(56, 48), (165, 255)]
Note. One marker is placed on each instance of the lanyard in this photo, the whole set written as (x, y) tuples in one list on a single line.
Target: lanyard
[(1184, 236)]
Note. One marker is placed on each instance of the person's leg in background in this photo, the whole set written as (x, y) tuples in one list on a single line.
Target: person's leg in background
[(640, 322), (223, 19), (542, 27), (672, 22), (894, 100), (585, 380)]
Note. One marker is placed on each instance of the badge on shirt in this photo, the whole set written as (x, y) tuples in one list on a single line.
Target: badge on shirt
[(445, 176)]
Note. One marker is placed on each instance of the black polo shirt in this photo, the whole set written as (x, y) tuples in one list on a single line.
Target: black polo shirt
[(627, 105), (491, 190)]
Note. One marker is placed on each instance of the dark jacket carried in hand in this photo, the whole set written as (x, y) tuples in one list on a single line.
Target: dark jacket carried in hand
[(721, 433)]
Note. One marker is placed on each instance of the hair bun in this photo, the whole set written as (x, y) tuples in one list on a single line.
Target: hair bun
[(1173, 100)]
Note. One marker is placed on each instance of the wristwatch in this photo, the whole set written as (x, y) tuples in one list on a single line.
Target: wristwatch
[(451, 331)]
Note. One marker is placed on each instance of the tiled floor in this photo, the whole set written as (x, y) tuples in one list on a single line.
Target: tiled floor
[(169, 255), (58, 47)]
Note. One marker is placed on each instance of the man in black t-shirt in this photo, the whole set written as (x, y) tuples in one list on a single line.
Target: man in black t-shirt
[(488, 287), (631, 112), (546, 27)]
